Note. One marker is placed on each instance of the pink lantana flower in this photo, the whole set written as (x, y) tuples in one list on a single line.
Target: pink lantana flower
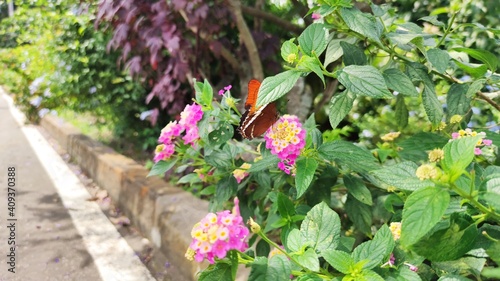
[(316, 16), (469, 133), (227, 88), (241, 173), (216, 234), (189, 120), (286, 139), (188, 123)]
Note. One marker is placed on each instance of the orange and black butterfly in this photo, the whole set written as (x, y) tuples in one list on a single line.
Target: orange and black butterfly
[(256, 120)]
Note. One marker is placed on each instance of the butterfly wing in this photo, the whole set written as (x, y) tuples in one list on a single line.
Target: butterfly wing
[(255, 121)]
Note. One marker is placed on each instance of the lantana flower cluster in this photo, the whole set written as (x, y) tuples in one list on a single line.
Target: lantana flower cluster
[(286, 139), (469, 133), (216, 234), (188, 123)]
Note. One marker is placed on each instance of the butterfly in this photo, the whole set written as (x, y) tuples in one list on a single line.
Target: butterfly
[(256, 120)]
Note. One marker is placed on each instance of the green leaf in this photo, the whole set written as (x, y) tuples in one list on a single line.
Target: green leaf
[(312, 64), (221, 134), (204, 93), (321, 227), (264, 164), (289, 48), (423, 209), (340, 105), (313, 39), (458, 154), (474, 70), (364, 80), (403, 274), (285, 206), (439, 59), (219, 159), (362, 23), (358, 213), (340, 260), (346, 153), (308, 259), (401, 112), (161, 167), (374, 252), (401, 176), (280, 268), (370, 275), (334, 51), (398, 81), (450, 243), (226, 188), (432, 106), (432, 19), (274, 87), (357, 188), (484, 56), (306, 167), (402, 39), (457, 100), (294, 240), (475, 87), (217, 272), (353, 55), (415, 147)]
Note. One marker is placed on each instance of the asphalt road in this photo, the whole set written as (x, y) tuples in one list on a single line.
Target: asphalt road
[(49, 229)]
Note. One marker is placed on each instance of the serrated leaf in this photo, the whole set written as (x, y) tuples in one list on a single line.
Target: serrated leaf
[(364, 80), (362, 23), (432, 19), (353, 55), (161, 167), (474, 70), (376, 250), (423, 209), (334, 51), (218, 272), (359, 213), (313, 39), (439, 59), (294, 240), (306, 167), (356, 158), (204, 93), (225, 188), (274, 87), (457, 101), (308, 259), (270, 161), (475, 87), (401, 112), (450, 243), (340, 105), (311, 64), (339, 260), (398, 81), (321, 227), (289, 48), (484, 56), (458, 154), (432, 106), (415, 147), (401, 176), (221, 134), (402, 39), (219, 159), (356, 187), (285, 206)]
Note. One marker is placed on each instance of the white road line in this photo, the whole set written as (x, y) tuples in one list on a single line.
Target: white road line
[(112, 255)]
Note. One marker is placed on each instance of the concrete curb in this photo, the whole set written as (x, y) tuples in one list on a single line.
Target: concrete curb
[(164, 213)]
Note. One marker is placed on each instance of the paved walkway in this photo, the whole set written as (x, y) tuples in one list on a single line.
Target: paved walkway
[(48, 229)]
